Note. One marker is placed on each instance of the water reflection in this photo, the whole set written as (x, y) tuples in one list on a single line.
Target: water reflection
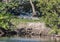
[(32, 39)]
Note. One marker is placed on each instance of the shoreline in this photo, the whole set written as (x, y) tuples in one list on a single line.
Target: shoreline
[(28, 29), (23, 32)]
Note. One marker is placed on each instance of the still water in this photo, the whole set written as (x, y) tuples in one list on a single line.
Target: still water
[(19, 39)]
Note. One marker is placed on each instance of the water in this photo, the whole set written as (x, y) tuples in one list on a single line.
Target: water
[(19, 39)]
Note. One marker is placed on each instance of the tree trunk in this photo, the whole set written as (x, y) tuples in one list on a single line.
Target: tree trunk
[(33, 8), (9, 0), (6, 1)]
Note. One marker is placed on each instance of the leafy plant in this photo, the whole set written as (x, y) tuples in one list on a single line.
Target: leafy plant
[(50, 10)]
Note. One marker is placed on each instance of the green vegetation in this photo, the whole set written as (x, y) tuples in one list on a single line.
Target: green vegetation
[(5, 15), (20, 20), (49, 12)]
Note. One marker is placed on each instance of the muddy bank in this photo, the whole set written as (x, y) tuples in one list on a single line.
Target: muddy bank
[(33, 28), (28, 29)]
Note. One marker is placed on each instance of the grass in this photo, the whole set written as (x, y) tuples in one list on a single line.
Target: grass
[(20, 20)]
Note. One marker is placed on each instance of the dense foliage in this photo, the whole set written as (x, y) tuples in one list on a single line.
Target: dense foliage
[(50, 13), (5, 15)]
